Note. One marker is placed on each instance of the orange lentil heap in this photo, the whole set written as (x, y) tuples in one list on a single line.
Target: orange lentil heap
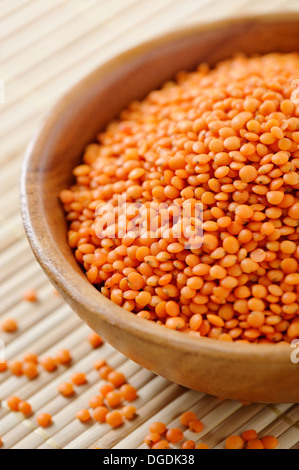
[(224, 143)]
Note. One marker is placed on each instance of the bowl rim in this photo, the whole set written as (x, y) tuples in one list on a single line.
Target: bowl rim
[(43, 247)]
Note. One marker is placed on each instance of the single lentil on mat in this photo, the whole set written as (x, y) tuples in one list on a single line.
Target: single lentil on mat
[(9, 325), (83, 415), (13, 402), (16, 368), (44, 420), (25, 408), (63, 357), (3, 366), (49, 364), (30, 295), (95, 340), (226, 138), (129, 412), (30, 370), (78, 378), (66, 389)]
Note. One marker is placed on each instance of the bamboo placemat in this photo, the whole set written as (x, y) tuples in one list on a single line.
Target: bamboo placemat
[(46, 46)]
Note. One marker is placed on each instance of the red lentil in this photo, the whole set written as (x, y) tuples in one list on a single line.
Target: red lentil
[(128, 392), (174, 435), (78, 378), (201, 445), (96, 401), (30, 370), (44, 420), (95, 340), (49, 364), (16, 368), (249, 435), (13, 403), (99, 363), (128, 412), (9, 325), (225, 138), (158, 427), (30, 357), (99, 414), (113, 398), (163, 444), (105, 371), (188, 444), (255, 444), (269, 442), (234, 442), (195, 425), (116, 378), (30, 295), (24, 408), (83, 415), (105, 389), (114, 418), (66, 389), (151, 438), (63, 357)]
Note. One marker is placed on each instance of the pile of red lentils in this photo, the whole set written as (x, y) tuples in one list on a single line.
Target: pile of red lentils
[(227, 138)]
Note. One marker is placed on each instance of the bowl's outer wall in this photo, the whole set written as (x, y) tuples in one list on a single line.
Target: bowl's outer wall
[(246, 372)]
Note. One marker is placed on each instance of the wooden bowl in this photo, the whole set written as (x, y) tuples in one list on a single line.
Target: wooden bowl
[(251, 372)]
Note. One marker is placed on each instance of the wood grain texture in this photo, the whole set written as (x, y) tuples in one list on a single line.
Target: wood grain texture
[(46, 47)]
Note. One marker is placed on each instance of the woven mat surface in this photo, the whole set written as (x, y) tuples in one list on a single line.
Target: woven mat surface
[(47, 46)]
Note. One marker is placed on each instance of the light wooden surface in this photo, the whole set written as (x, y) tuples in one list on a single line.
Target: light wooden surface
[(46, 46)]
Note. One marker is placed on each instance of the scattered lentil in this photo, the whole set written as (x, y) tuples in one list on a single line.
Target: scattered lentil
[(30, 295), (63, 357), (44, 420), (95, 340), (78, 378), (66, 389), (30, 370), (201, 445), (99, 414), (128, 412), (24, 408), (13, 402), (16, 368), (128, 392), (114, 418), (83, 415), (269, 442), (9, 325), (3, 366), (234, 442), (174, 435), (158, 427), (49, 364)]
